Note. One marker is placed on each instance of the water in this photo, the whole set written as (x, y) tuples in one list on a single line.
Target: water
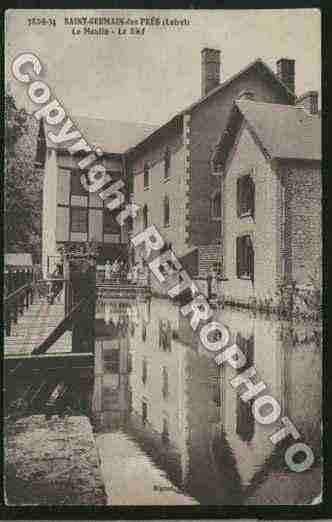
[(170, 428)]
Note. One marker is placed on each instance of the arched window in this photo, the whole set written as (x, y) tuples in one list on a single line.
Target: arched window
[(216, 205), (166, 211), (145, 216)]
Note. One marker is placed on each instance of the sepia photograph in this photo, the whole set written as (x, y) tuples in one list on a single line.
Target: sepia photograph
[(162, 258)]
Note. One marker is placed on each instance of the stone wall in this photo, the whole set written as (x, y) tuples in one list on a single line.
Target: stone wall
[(304, 189), (263, 228), (52, 462)]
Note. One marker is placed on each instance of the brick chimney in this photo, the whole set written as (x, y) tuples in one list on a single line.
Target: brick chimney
[(309, 101), (210, 69), (286, 72)]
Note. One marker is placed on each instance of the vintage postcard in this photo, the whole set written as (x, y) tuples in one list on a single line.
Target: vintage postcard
[(162, 333)]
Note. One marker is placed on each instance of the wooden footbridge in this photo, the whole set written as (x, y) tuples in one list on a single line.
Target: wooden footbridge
[(49, 339), (49, 344)]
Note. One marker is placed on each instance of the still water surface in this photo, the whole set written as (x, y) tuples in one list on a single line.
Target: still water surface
[(170, 429)]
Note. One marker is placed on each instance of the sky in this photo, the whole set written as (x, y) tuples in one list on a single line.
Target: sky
[(148, 78)]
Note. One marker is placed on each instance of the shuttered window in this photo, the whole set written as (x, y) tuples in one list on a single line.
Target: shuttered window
[(245, 196), (166, 211), (244, 257), (144, 412), (144, 371), (145, 216), (167, 162)]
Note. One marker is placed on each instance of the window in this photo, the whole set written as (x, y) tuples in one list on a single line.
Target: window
[(111, 226), (145, 216), (130, 363), (245, 196), (143, 331), (244, 257), (146, 175), (144, 412), (166, 211), (112, 360), (130, 224), (79, 219), (164, 389), (215, 160), (76, 186), (165, 335), (216, 205), (165, 432), (167, 162), (144, 371), (245, 424)]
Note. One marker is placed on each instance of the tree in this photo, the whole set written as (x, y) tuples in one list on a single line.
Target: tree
[(23, 183)]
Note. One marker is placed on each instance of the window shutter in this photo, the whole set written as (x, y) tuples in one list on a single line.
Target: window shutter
[(238, 196), (167, 159), (251, 259), (238, 253), (252, 196)]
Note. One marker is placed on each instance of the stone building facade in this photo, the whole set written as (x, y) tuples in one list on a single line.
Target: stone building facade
[(189, 192), (173, 174), (271, 160)]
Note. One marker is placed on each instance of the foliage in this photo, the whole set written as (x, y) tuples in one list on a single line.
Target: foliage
[(23, 183)]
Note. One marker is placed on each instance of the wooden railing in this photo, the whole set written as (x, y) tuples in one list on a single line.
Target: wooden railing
[(16, 301), (74, 315), (16, 278), (121, 279)]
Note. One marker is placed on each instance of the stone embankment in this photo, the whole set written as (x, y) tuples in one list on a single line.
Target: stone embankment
[(52, 462)]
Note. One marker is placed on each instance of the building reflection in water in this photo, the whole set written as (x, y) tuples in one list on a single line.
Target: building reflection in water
[(157, 383)]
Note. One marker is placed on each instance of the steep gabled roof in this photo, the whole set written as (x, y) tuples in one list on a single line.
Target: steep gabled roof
[(262, 68), (114, 137), (282, 131), (118, 137), (258, 63)]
